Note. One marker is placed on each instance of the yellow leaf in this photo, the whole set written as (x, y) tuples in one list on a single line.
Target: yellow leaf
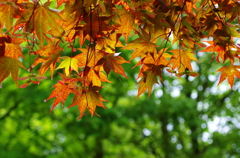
[(126, 19), (108, 44), (146, 43), (7, 13), (68, 64)]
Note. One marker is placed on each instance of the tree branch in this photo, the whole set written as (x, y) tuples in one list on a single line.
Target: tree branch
[(9, 111)]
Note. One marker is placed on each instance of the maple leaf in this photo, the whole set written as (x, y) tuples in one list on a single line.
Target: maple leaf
[(113, 62), (9, 66), (13, 49), (61, 92), (63, 88), (49, 55), (181, 59), (126, 19), (68, 84), (154, 63), (95, 25), (7, 13), (73, 9), (88, 99), (41, 19), (72, 29), (155, 59), (215, 48), (108, 44), (68, 64), (94, 76), (143, 45), (221, 52), (3, 40), (147, 82), (228, 72), (92, 57)]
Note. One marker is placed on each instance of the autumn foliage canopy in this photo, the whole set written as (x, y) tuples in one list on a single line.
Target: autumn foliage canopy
[(92, 30)]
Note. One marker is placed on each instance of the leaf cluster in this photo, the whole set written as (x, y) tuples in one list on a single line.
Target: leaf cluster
[(169, 33)]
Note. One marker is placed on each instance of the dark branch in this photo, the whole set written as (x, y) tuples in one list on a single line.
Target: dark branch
[(10, 110)]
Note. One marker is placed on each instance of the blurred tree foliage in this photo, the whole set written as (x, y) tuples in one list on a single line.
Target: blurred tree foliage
[(176, 121)]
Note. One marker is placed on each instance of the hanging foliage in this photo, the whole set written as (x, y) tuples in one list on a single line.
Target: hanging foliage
[(92, 29)]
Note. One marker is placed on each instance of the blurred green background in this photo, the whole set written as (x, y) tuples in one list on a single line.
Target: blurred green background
[(183, 118)]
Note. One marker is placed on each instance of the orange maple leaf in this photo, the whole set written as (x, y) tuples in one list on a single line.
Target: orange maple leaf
[(113, 62), (94, 76), (88, 99), (7, 13), (229, 52), (181, 59), (62, 90), (68, 84), (126, 19), (143, 45), (228, 72), (216, 48), (9, 66), (13, 49), (95, 25), (109, 43), (92, 57), (41, 19), (49, 55), (147, 82), (154, 63)]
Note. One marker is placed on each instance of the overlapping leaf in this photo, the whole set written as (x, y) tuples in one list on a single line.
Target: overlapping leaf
[(85, 34), (94, 76), (228, 72), (113, 62), (61, 92), (14, 49), (7, 13), (3, 40), (49, 55), (9, 66), (181, 59), (41, 19), (143, 45), (126, 19), (88, 99), (147, 82)]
